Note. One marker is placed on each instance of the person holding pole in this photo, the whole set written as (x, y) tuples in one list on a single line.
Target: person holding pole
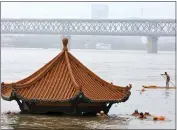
[(167, 77)]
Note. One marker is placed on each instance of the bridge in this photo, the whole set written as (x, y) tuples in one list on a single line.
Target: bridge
[(152, 28)]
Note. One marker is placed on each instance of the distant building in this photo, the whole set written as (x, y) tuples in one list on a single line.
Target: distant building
[(99, 11)]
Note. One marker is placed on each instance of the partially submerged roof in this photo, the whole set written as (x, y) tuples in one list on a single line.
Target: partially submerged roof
[(64, 79)]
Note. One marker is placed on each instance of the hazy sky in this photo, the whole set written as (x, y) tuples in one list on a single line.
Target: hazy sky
[(83, 9)]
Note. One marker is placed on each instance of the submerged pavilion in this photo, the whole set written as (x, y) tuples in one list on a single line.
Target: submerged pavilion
[(64, 85)]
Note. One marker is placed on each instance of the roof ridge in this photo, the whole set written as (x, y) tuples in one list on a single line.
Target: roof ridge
[(38, 71), (43, 73), (35, 73), (111, 86), (70, 71)]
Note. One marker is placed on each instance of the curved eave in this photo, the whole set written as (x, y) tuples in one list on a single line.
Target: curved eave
[(123, 99), (8, 98), (20, 97), (73, 99)]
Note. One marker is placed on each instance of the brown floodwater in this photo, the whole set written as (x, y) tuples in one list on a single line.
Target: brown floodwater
[(22, 121)]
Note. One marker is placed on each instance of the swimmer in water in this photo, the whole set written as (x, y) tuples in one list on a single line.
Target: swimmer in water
[(147, 114), (102, 114), (142, 116), (136, 113)]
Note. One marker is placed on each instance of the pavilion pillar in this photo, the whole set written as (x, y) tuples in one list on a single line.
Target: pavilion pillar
[(152, 44), (106, 110), (20, 104)]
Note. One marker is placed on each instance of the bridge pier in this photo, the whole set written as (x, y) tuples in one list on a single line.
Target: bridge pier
[(152, 44)]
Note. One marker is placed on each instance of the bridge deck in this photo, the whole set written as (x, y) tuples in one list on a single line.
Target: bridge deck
[(115, 27)]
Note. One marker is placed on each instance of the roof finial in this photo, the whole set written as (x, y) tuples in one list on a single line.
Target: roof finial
[(65, 43)]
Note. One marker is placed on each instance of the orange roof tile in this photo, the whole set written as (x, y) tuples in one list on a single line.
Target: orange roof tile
[(63, 79)]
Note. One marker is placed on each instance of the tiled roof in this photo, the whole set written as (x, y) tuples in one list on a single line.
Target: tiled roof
[(62, 79)]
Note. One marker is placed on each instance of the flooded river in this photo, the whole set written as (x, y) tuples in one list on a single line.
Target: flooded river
[(120, 67)]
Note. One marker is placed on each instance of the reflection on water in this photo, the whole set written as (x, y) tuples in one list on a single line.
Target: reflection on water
[(167, 93), (22, 121), (121, 67)]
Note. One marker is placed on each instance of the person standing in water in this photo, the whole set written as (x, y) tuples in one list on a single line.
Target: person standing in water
[(167, 79)]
